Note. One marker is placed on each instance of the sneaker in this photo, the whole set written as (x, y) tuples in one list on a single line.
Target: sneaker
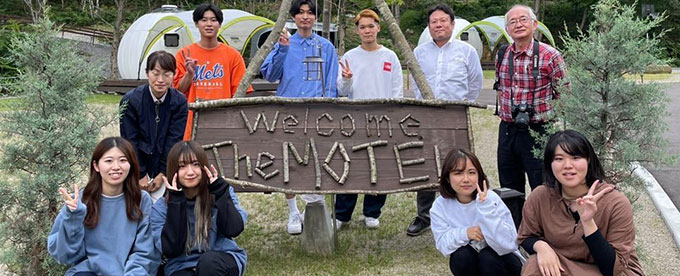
[(417, 227), (339, 224), (294, 224), (372, 223)]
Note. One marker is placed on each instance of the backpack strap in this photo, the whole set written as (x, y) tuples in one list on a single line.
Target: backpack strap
[(499, 61)]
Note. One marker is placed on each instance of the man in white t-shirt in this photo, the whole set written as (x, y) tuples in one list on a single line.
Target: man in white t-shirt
[(453, 70), (369, 71)]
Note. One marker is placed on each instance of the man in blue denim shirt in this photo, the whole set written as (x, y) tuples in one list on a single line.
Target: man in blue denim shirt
[(285, 64)]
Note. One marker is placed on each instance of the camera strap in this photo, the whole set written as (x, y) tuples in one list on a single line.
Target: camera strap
[(534, 72)]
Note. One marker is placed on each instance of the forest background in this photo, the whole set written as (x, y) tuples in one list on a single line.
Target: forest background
[(560, 16)]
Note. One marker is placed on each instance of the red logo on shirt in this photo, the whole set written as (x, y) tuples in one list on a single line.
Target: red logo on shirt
[(387, 66)]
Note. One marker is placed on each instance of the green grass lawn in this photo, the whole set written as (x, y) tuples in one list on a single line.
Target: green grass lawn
[(6, 104)]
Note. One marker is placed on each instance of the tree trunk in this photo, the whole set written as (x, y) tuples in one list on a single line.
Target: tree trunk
[(402, 44), (341, 28), (36, 9), (397, 13), (326, 19), (537, 11), (583, 19), (117, 34), (262, 53)]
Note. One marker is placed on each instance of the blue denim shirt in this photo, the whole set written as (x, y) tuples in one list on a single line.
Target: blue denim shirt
[(284, 64)]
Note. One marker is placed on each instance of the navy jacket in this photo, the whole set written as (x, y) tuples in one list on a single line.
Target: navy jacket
[(152, 138)]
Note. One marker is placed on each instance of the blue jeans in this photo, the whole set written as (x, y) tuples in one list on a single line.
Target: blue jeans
[(344, 206)]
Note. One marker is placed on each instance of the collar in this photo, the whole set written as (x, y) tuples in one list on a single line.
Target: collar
[(528, 51), (443, 46), (155, 100), (305, 40)]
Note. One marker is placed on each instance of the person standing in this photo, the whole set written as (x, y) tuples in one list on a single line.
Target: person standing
[(285, 64), (524, 92), (454, 72), (207, 69), (153, 120), (369, 71)]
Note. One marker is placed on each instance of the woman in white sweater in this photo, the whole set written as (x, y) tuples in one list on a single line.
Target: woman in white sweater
[(471, 224)]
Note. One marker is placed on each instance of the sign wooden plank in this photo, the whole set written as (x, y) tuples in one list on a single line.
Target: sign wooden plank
[(330, 145)]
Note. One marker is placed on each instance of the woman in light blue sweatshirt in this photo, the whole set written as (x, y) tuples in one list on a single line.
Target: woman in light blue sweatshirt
[(195, 224), (470, 224), (105, 228)]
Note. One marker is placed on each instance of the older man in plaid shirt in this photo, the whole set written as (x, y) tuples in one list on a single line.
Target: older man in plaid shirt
[(525, 90)]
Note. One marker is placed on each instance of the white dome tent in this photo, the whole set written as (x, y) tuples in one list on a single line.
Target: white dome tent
[(493, 28), (460, 32), (171, 29)]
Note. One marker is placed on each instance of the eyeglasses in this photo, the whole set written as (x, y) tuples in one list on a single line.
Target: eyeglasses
[(524, 20), (166, 74)]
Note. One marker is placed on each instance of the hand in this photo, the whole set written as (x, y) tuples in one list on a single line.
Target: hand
[(71, 202), (548, 262), (587, 205), (481, 193), (346, 71), (283, 38), (212, 173), (475, 233), (174, 187), (144, 182), (189, 63), (156, 184)]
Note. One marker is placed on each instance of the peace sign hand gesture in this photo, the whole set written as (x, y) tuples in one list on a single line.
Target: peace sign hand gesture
[(212, 173), (587, 205), (189, 63), (175, 186), (71, 202), (346, 71), (482, 193)]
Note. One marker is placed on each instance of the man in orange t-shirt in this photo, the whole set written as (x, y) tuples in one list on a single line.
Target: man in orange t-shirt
[(208, 69)]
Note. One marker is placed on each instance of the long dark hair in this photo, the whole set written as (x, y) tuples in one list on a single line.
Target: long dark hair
[(92, 194), (456, 160), (575, 144), (188, 152)]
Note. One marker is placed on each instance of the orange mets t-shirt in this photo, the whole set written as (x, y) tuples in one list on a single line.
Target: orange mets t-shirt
[(217, 75)]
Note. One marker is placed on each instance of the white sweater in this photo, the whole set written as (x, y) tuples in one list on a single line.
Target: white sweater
[(376, 74), (450, 220)]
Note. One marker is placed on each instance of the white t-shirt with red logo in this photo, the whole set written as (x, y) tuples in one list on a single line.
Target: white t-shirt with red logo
[(376, 74)]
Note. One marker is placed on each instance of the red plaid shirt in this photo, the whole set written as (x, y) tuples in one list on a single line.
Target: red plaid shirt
[(551, 69)]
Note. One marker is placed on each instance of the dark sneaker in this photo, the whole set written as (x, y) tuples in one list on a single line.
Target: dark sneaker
[(417, 227)]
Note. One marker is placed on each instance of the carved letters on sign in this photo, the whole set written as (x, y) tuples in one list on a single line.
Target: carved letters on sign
[(346, 155)]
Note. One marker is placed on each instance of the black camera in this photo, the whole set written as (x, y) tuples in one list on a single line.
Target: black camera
[(522, 114)]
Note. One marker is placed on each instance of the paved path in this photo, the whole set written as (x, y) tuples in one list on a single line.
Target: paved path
[(668, 176)]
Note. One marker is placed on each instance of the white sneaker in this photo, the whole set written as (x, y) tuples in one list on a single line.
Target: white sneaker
[(294, 224), (339, 224), (371, 222)]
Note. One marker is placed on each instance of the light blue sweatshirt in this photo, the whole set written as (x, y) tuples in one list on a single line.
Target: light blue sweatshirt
[(116, 246)]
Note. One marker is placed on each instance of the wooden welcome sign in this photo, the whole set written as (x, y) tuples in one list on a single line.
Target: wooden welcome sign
[(327, 145)]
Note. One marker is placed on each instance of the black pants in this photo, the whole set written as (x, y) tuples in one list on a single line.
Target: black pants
[(424, 200), (345, 203), (212, 263), (515, 157), (467, 262)]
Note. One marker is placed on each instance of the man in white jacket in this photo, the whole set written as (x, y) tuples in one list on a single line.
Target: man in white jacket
[(369, 71)]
